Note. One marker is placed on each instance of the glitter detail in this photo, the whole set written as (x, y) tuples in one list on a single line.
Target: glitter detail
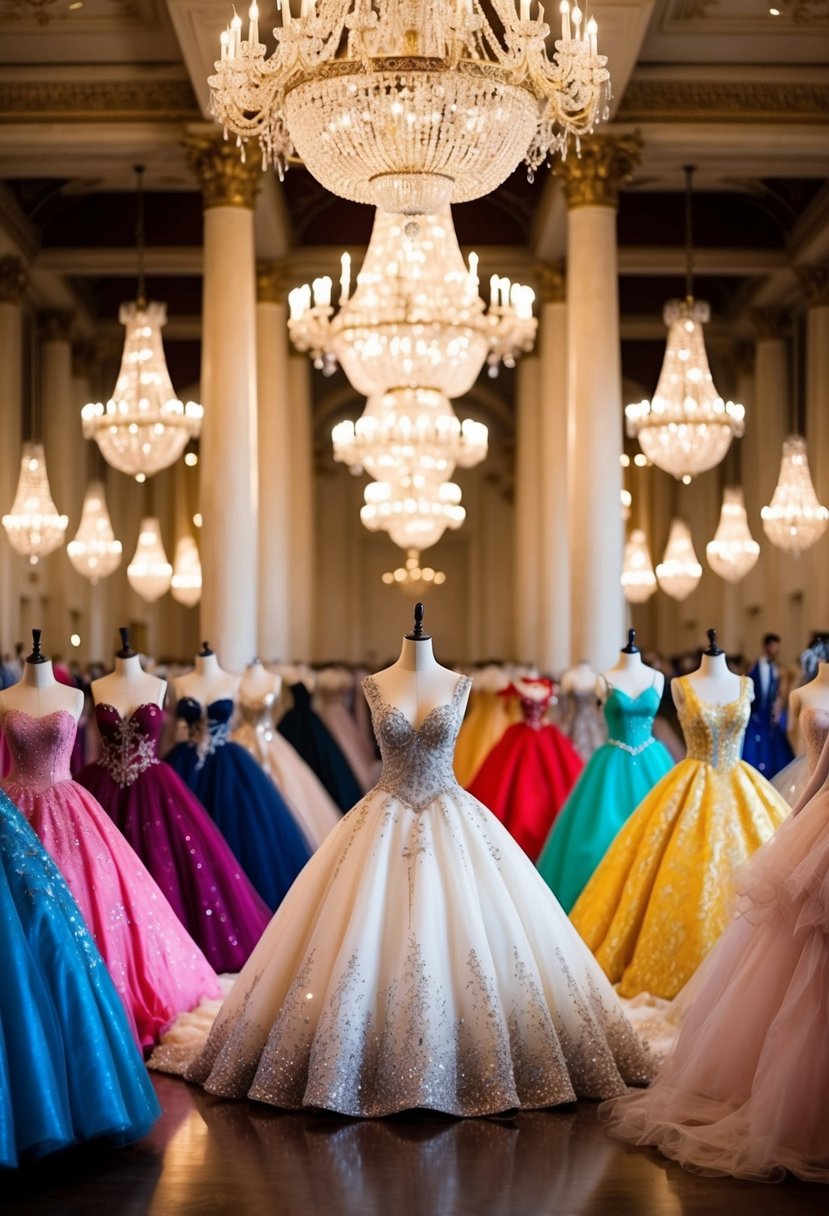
[(127, 749), (627, 747)]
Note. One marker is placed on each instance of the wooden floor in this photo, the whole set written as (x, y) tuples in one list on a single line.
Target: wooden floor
[(213, 1158)]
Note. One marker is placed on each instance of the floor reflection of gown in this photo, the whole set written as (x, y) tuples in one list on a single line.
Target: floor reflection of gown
[(419, 961), (527, 776), (745, 1089), (69, 1068), (157, 969), (581, 720), (311, 738), (175, 837), (813, 727), (309, 802), (617, 778), (661, 896), (241, 799), (489, 715)]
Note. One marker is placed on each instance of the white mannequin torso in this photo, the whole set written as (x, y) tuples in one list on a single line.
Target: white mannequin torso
[(128, 686), (630, 675), (713, 683), (38, 693), (581, 678), (208, 682), (814, 695), (257, 682), (416, 684)]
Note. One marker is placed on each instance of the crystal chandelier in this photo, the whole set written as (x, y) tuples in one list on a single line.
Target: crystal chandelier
[(185, 586), (687, 427), (143, 427), (733, 551), (638, 578), (414, 514), (407, 105), (94, 551), (794, 519), (413, 578), (679, 571), (33, 525), (149, 573)]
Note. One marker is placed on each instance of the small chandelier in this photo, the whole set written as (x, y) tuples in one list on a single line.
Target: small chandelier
[(679, 571), (410, 106), (34, 526), (94, 551), (414, 513), (143, 427), (638, 578), (149, 573), (794, 519), (687, 427), (733, 551), (185, 586), (413, 578)]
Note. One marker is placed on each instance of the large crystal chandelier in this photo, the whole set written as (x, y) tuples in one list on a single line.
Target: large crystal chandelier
[(412, 577), (143, 427), (733, 551), (149, 573), (185, 585), (679, 571), (408, 105), (794, 519), (415, 515), (94, 551), (687, 427), (34, 525), (638, 578)]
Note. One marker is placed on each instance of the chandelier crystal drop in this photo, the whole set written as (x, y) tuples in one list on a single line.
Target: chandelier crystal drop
[(149, 573), (794, 519), (679, 571), (94, 551), (185, 586), (414, 513), (733, 551), (638, 578), (410, 106), (413, 578), (34, 526)]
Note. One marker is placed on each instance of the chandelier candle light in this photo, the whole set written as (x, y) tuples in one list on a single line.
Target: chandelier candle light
[(638, 578), (94, 551), (794, 519), (149, 573), (733, 551), (410, 106), (185, 586), (679, 571), (413, 578), (34, 526)]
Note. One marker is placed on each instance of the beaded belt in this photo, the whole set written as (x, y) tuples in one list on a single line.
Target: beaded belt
[(632, 751)]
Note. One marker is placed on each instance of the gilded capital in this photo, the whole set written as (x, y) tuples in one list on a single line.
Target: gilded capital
[(594, 177), (55, 326), (552, 283), (770, 323), (13, 279), (814, 281), (225, 179), (271, 282)]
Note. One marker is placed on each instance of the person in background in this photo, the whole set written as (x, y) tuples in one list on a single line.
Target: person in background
[(765, 745)]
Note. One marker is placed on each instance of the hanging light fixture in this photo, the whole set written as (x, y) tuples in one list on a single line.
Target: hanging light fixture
[(679, 571), (733, 551), (410, 106), (794, 519), (149, 573), (34, 525), (638, 578), (143, 427), (94, 551), (414, 515), (185, 585), (687, 427), (412, 577)]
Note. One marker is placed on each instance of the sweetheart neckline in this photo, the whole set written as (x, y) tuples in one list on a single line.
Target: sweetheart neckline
[(130, 716), (34, 717), (462, 680), (614, 688)]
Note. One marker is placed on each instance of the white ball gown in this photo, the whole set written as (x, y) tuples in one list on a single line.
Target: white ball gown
[(419, 960)]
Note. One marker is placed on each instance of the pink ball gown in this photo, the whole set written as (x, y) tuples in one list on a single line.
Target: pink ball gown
[(155, 966)]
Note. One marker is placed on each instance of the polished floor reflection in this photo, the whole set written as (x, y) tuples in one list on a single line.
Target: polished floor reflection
[(210, 1158)]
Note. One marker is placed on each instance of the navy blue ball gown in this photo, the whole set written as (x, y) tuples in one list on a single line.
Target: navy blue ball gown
[(307, 733), (70, 1070), (241, 799), (765, 745)]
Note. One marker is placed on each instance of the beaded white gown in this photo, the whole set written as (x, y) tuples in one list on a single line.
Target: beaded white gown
[(419, 960)]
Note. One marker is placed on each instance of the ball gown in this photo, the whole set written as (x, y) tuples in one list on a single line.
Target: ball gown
[(156, 968), (581, 720), (241, 799), (661, 896), (69, 1068), (745, 1089), (333, 689), (309, 802), (419, 961), (311, 738), (813, 728), (488, 717), (527, 776), (765, 745), (175, 837), (617, 778)]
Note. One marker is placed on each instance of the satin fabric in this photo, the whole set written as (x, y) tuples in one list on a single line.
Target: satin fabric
[(489, 715), (311, 738)]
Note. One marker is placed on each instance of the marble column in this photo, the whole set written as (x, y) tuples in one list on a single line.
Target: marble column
[(275, 505), (596, 538), (300, 573), (229, 473), (815, 283), (527, 514), (13, 281)]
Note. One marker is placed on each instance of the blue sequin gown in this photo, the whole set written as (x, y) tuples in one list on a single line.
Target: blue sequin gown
[(69, 1067), (618, 776), (241, 798)]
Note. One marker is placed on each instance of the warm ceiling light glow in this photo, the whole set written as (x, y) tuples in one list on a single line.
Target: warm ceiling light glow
[(191, 459), (74, 639)]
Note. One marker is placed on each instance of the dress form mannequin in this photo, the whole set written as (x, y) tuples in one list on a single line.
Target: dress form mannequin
[(257, 682), (629, 673), (38, 692), (581, 678), (416, 684), (128, 686), (814, 695), (712, 681), (209, 682)]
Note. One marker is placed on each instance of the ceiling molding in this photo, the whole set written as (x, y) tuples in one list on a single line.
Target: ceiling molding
[(150, 97), (732, 101)]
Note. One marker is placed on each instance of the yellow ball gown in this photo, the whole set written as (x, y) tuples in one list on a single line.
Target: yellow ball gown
[(662, 895)]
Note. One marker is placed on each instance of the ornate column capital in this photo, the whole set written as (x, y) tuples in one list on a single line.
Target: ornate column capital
[(55, 326), (552, 283), (225, 179), (14, 278), (271, 282), (770, 323), (744, 357), (814, 281), (594, 178)]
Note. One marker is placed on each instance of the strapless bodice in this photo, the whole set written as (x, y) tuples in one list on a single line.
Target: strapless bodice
[(41, 748), (130, 745), (813, 727), (258, 712), (208, 726), (630, 719), (714, 733)]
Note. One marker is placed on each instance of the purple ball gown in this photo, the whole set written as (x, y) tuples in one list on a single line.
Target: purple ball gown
[(175, 837)]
